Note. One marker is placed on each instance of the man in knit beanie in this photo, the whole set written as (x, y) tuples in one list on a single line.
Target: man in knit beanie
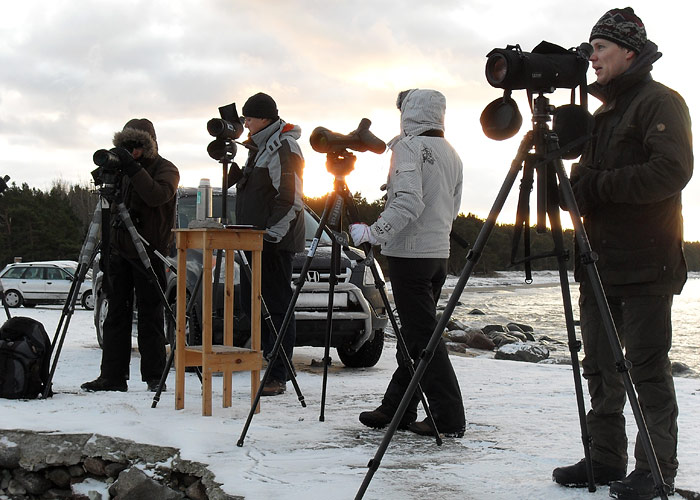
[(269, 196), (628, 187)]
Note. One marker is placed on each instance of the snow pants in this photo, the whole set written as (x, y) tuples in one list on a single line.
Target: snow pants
[(277, 294), (416, 286), (643, 326), (129, 276)]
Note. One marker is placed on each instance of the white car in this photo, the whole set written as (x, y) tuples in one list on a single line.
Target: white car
[(32, 283)]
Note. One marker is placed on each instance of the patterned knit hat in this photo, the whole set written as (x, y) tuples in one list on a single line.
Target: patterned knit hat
[(623, 27)]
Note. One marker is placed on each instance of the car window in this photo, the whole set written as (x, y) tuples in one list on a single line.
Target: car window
[(54, 273), (311, 225), (14, 272), (33, 273)]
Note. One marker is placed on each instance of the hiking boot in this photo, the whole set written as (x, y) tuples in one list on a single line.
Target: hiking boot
[(639, 485), (104, 384), (381, 417), (274, 387), (153, 386), (424, 428), (575, 476)]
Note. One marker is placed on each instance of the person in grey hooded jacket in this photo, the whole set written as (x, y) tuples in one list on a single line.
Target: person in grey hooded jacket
[(424, 191)]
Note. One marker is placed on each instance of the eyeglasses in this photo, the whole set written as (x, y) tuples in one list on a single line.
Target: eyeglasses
[(131, 145)]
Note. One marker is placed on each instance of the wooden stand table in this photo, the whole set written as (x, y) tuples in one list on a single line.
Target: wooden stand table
[(217, 358)]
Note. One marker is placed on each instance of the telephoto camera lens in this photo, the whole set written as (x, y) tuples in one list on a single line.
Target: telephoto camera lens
[(104, 158)]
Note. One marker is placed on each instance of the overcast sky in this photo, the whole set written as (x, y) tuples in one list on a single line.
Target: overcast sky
[(72, 73)]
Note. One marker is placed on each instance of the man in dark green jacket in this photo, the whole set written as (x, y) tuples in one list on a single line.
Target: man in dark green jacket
[(148, 186), (628, 188)]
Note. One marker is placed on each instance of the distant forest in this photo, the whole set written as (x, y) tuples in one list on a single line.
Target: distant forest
[(51, 225)]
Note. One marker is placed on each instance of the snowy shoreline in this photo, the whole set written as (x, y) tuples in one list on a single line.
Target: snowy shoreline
[(522, 422)]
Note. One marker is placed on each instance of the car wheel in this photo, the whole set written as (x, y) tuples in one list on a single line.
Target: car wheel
[(88, 300), (13, 298), (368, 355), (101, 308)]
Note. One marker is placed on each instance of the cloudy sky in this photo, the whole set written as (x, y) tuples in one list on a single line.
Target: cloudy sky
[(72, 73)]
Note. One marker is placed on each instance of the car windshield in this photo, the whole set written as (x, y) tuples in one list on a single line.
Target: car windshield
[(187, 211)]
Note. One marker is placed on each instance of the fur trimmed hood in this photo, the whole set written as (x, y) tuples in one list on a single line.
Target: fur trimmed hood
[(139, 130)]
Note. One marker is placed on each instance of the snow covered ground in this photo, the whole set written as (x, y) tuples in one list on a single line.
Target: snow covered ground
[(522, 422)]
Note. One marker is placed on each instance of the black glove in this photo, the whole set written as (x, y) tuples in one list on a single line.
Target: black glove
[(128, 164), (585, 187)]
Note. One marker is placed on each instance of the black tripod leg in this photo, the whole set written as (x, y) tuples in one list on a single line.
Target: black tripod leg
[(589, 258), (574, 343), (289, 316), (171, 358), (333, 279), (267, 317), (472, 258)]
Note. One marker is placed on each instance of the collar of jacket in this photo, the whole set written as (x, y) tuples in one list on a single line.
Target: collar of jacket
[(262, 136), (638, 72)]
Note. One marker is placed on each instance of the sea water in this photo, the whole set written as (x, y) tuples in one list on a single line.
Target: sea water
[(505, 297)]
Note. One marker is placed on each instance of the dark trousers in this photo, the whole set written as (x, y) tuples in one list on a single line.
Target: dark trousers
[(643, 325), (277, 294), (129, 276), (416, 286)]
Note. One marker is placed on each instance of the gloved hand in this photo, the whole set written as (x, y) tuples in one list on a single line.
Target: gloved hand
[(585, 187), (128, 164), (360, 233)]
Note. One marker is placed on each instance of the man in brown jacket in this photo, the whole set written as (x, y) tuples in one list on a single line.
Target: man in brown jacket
[(148, 186), (628, 188)]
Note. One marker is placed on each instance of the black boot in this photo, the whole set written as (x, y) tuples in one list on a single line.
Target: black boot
[(425, 429), (639, 485), (575, 476), (105, 384), (382, 416)]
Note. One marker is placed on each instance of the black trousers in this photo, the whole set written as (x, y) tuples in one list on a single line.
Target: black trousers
[(643, 324), (416, 286), (129, 276), (277, 294)]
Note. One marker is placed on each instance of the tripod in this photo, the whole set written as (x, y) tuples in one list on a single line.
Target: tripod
[(546, 162), (88, 252), (340, 164)]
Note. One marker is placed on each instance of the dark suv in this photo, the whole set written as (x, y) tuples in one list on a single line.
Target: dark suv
[(359, 317)]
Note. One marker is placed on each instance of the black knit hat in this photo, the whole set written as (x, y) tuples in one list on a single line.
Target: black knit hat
[(260, 106), (623, 27)]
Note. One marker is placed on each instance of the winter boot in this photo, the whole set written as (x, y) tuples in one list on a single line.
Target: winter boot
[(639, 485), (575, 476), (382, 416), (424, 428), (104, 384)]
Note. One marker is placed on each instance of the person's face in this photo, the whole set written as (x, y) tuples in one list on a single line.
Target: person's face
[(255, 125), (609, 60)]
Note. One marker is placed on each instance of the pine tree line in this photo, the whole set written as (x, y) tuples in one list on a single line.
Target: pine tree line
[(38, 225)]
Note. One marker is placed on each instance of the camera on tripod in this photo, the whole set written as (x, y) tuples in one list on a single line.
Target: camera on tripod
[(108, 172), (541, 71), (225, 130)]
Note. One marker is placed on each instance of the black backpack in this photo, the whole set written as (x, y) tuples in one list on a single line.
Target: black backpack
[(25, 353)]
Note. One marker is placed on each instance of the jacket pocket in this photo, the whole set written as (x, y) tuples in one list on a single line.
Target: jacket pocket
[(628, 266)]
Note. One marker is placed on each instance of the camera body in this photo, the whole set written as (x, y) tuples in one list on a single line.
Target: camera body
[(109, 171)]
